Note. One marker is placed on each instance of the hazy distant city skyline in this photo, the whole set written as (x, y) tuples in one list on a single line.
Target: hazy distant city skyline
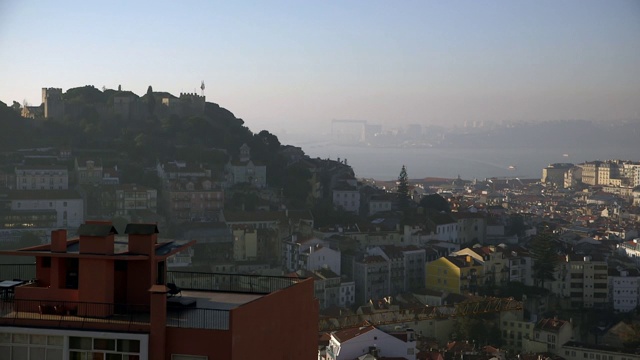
[(294, 66)]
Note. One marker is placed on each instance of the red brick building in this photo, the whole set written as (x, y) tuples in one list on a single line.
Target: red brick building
[(101, 296)]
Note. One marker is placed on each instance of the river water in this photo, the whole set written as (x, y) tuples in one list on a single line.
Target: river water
[(469, 163)]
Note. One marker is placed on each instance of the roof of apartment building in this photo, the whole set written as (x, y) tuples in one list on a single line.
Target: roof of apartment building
[(625, 272), (581, 345), (551, 324), (585, 258), (373, 259), (468, 215), (41, 167), (163, 248), (348, 334), (440, 218), (326, 274), (463, 261)]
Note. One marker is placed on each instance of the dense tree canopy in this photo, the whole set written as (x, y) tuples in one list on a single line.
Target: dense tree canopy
[(545, 257), (435, 202)]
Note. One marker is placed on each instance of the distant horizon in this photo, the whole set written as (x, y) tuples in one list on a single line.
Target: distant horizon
[(291, 65), (326, 123)]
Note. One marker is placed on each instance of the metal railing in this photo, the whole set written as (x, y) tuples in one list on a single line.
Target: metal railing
[(82, 314), (88, 315), (17, 271), (254, 284), (197, 318), (259, 284)]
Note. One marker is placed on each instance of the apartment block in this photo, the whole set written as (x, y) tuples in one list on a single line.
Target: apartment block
[(371, 275), (624, 288), (456, 274), (586, 281), (41, 178)]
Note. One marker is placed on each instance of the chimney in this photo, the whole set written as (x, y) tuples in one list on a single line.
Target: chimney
[(142, 238), (97, 237), (59, 241)]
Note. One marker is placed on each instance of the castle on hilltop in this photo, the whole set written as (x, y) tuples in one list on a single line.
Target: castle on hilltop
[(53, 103), (124, 104), (188, 104)]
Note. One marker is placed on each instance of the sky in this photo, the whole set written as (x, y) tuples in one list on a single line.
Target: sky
[(296, 65)]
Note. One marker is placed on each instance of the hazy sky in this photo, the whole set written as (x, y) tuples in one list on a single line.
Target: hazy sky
[(294, 65)]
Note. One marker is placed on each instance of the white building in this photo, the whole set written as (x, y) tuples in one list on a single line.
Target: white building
[(351, 343), (42, 178), (520, 264), (585, 281), (68, 205), (631, 249), (319, 256), (310, 254), (444, 227), (623, 289), (379, 204), (347, 197), (579, 351), (347, 293), (243, 170), (550, 334)]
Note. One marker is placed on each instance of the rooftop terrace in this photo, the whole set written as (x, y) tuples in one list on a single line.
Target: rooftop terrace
[(207, 301)]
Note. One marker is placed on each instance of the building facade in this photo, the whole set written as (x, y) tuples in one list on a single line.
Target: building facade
[(42, 178)]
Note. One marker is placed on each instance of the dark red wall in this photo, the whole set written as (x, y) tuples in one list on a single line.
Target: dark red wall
[(281, 325), (216, 344)]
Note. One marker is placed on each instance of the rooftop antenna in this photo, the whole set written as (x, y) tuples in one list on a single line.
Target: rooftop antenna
[(202, 87)]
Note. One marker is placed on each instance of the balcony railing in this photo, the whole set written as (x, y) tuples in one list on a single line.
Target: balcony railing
[(198, 318), (17, 271), (253, 284), (105, 316), (258, 284), (74, 314)]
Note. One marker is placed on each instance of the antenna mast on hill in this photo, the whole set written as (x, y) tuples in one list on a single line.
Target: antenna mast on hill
[(202, 87)]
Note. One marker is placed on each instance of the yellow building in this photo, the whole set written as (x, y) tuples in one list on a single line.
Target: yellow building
[(454, 274)]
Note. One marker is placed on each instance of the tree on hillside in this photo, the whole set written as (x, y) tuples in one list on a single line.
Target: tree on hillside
[(545, 258), (296, 186), (516, 225), (151, 101), (403, 189), (16, 107), (435, 202)]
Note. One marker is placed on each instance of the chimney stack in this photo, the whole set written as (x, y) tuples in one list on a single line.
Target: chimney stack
[(59, 241)]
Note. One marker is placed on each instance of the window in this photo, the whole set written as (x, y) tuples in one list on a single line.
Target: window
[(103, 348)]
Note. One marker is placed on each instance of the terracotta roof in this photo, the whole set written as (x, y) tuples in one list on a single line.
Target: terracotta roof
[(348, 334)]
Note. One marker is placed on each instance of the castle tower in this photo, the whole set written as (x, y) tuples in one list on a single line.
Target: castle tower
[(53, 103)]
